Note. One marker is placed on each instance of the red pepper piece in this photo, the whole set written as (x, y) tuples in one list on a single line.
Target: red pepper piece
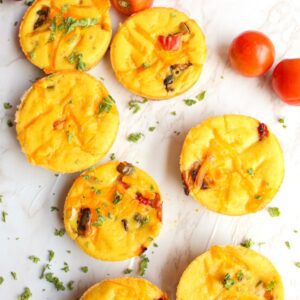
[(170, 42), (124, 184), (263, 131), (143, 200)]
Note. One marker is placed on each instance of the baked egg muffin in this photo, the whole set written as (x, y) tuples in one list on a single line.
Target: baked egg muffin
[(66, 34), (66, 122), (232, 164), (114, 211), (124, 288), (158, 53), (230, 273)]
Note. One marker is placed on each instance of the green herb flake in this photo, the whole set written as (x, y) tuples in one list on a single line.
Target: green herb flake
[(4, 215), (51, 255), (201, 96), (274, 212), (228, 282), (142, 220), (134, 105), (189, 102), (55, 281), (54, 208), (151, 129), (44, 269), (13, 275), (100, 219), (65, 7), (144, 261), (34, 259), (84, 269), (106, 104), (250, 171), (112, 156), (282, 121), (26, 295), (173, 113), (28, 2), (288, 244), (146, 65), (248, 243), (240, 275), (155, 245), (70, 285), (70, 137), (270, 287), (117, 198), (77, 58), (127, 271), (7, 105), (1, 280), (258, 197), (135, 137), (65, 268), (59, 232), (110, 215), (1, 198), (297, 264), (96, 191)]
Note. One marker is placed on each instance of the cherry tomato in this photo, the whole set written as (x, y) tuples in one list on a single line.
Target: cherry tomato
[(170, 42), (286, 81), (129, 7), (251, 53)]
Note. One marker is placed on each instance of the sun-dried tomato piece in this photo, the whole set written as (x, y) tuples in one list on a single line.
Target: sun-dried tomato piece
[(59, 124), (143, 200), (171, 42), (124, 184), (263, 131), (43, 15), (84, 221)]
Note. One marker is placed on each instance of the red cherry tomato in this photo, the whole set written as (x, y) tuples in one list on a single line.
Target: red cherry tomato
[(170, 42), (251, 53), (129, 7), (286, 81)]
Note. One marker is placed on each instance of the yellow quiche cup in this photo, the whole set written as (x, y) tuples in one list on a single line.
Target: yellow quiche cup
[(66, 122), (66, 34), (232, 164), (158, 53), (124, 288), (230, 273), (114, 211)]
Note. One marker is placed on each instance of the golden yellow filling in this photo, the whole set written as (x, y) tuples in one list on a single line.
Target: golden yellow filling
[(66, 34), (230, 273), (158, 53), (67, 122), (232, 164), (126, 288), (114, 211)]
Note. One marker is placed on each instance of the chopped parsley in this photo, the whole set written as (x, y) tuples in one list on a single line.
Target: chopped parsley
[(258, 197), (34, 259), (50, 255), (7, 105), (201, 96), (70, 285), (189, 102), (96, 191), (84, 269), (250, 171), (59, 232), (155, 245), (1, 280), (106, 104), (152, 128), (117, 198), (142, 220), (76, 58), (144, 260), (134, 105), (70, 136), (127, 271), (4, 215), (288, 244), (65, 268), (25, 295), (173, 113), (54, 208), (100, 218), (240, 275), (146, 65), (28, 2), (69, 24), (13, 275), (270, 287), (112, 156), (56, 282), (135, 137), (297, 264), (274, 211), (247, 243), (282, 121), (65, 7), (228, 282), (45, 267)]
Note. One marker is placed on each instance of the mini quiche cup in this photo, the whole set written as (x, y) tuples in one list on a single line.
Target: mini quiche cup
[(66, 122), (230, 273), (232, 164), (113, 211), (66, 34), (158, 53), (124, 288)]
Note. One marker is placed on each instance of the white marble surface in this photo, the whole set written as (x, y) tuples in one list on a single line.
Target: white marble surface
[(189, 229)]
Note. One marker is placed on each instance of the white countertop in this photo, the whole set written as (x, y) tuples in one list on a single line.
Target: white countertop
[(189, 229)]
